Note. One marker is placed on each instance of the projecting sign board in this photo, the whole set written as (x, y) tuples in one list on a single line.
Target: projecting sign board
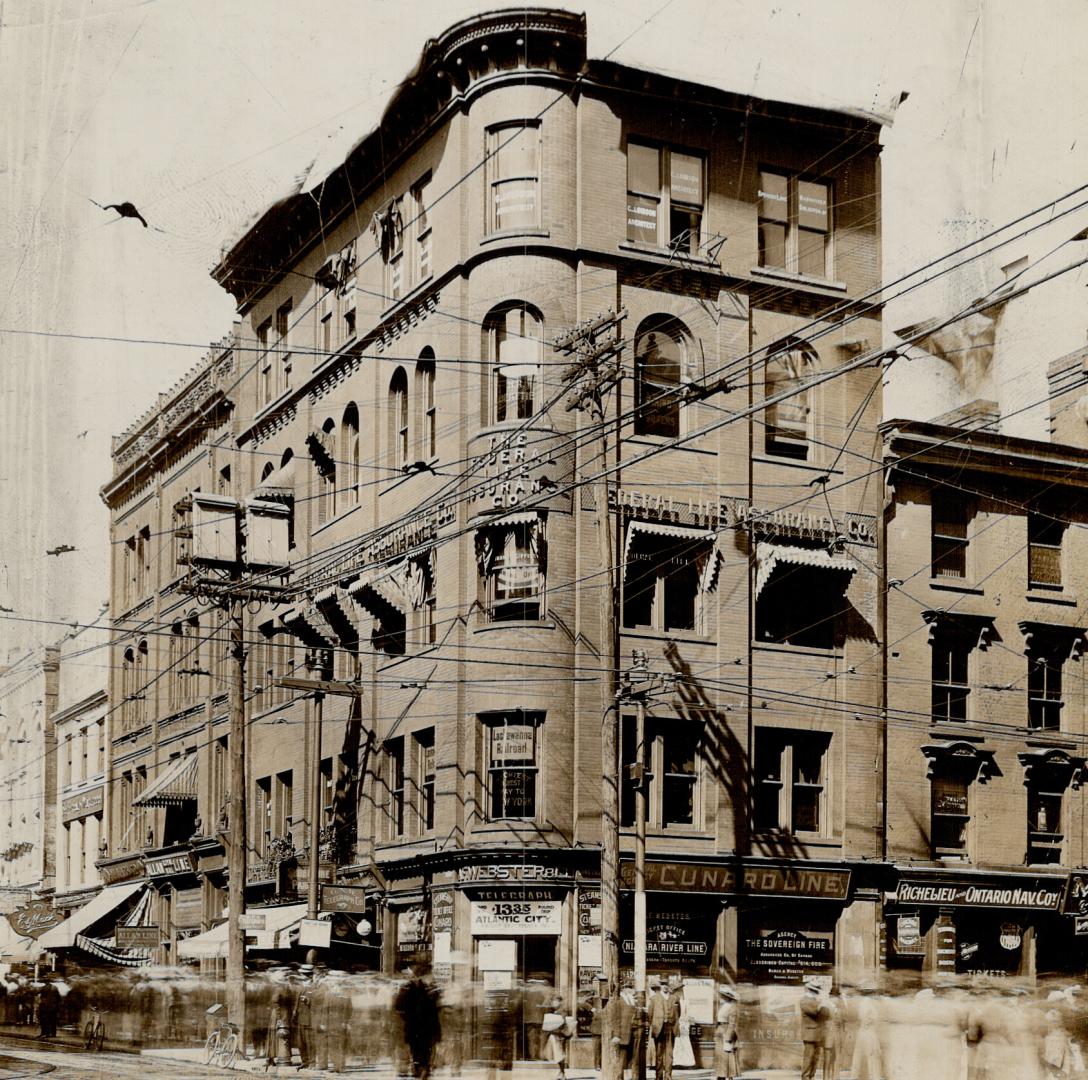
[(144, 937), (515, 918), (315, 933), (251, 920)]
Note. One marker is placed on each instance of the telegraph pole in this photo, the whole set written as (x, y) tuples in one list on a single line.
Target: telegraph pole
[(595, 346), (238, 813)]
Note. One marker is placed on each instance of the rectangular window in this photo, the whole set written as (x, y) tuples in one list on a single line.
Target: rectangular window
[(328, 792), (284, 808), (513, 164), (394, 760), (1045, 830), (512, 766), (950, 516), (801, 596), (794, 224), (1044, 551), (220, 772), (266, 372), (1045, 688), (283, 345), (665, 197), (949, 789), (263, 813), (951, 647), (425, 778), (326, 328), (790, 790), (670, 766), (511, 562), (421, 199), (662, 577)]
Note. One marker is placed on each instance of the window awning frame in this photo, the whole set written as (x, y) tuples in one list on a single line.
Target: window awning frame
[(769, 556), (176, 784)]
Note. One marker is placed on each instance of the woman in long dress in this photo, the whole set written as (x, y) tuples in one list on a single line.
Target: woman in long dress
[(556, 1047), (683, 1053), (726, 1066)]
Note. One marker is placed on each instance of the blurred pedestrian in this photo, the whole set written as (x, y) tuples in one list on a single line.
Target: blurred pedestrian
[(417, 1005), (833, 1036), (48, 1008), (813, 1023), (726, 1065), (304, 1015), (663, 1011), (622, 1016), (559, 1038)]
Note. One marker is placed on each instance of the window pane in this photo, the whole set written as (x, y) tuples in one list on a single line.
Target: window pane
[(806, 809), (811, 253), (515, 152), (681, 584), (774, 197), (679, 753), (772, 245), (766, 810), (642, 218), (640, 583), (1044, 565), (678, 801), (643, 169), (812, 205), (685, 229), (949, 515), (949, 557), (658, 365), (515, 204), (686, 179)]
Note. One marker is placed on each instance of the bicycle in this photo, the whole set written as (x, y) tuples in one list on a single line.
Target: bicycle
[(221, 1047), (94, 1032)]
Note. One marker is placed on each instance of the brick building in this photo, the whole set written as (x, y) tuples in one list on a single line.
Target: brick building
[(986, 703), (397, 390)]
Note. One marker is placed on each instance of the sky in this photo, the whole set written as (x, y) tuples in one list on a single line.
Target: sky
[(200, 112)]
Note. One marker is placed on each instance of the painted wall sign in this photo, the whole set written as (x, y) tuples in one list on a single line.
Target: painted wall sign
[(759, 880), (165, 865), (140, 937), (1075, 898), (514, 917), (492, 872), (1035, 895), (510, 468), (82, 805), (33, 919)]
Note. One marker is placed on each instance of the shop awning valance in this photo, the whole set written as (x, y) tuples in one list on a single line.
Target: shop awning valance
[(378, 593), (310, 627), (210, 945), (661, 528), (279, 922), (175, 785), (768, 556), (63, 936)]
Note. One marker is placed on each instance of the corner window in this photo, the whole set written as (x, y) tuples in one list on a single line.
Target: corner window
[(513, 176), (511, 559), (514, 344), (790, 781), (951, 513), (512, 748), (800, 595), (665, 197), (795, 224), (671, 766), (788, 424), (664, 572), (660, 366), (1045, 535)]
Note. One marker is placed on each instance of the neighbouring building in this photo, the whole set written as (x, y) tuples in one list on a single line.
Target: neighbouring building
[(986, 561), (395, 387)]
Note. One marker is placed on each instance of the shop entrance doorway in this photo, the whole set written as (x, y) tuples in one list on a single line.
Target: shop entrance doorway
[(518, 976)]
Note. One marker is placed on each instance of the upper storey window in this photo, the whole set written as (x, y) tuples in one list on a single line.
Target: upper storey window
[(664, 197), (789, 422), (514, 345), (794, 224), (513, 176), (660, 362)]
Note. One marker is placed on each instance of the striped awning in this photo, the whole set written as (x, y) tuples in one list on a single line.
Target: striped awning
[(309, 626), (661, 528), (768, 556), (378, 593), (175, 785), (279, 485), (64, 935)]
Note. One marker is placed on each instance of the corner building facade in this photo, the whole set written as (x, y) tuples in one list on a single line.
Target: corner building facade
[(403, 398)]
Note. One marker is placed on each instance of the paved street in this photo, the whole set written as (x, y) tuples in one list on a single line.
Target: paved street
[(18, 1059)]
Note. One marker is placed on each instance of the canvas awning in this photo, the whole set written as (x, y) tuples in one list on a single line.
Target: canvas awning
[(379, 593), (278, 923), (176, 784), (661, 528), (768, 556), (63, 935), (279, 485)]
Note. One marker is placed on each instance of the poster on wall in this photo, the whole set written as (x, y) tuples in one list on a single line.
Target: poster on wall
[(497, 955), (700, 996)]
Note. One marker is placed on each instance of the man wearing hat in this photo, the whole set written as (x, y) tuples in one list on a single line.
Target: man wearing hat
[(813, 1021), (663, 1011), (726, 1066), (304, 1015)]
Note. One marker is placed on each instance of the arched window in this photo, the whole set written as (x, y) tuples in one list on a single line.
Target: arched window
[(788, 423), (398, 419), (427, 432), (349, 453), (288, 454), (514, 350), (660, 355)]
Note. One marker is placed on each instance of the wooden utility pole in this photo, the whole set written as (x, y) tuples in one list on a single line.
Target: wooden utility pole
[(594, 347), (237, 815)]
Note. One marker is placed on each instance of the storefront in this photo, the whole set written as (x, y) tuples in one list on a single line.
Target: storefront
[(941, 924)]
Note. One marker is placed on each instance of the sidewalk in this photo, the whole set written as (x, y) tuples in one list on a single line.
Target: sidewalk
[(385, 1071), (28, 1033)]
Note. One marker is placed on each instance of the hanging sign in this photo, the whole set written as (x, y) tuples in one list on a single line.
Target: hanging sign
[(139, 937), (33, 919), (343, 898)]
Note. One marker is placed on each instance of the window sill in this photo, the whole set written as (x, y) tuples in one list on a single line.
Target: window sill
[(665, 440), (673, 832), (272, 407), (669, 255), (797, 650), (648, 633), (1047, 596), (515, 624), (419, 288), (956, 585), (514, 234), (793, 278), (774, 836), (333, 355), (332, 522)]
